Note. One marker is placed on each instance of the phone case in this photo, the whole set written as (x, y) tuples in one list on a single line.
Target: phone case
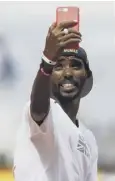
[(68, 14)]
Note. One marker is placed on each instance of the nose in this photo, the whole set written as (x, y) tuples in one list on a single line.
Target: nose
[(68, 73)]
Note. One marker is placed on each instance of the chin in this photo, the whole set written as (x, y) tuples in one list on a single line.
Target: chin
[(70, 95), (65, 95)]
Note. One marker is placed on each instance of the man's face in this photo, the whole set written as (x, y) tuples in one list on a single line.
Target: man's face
[(68, 77)]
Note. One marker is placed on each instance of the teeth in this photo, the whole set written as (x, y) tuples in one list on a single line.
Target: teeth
[(67, 85)]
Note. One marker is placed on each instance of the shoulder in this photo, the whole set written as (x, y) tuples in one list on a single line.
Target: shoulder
[(91, 141)]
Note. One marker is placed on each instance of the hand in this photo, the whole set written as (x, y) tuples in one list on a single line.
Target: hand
[(57, 40)]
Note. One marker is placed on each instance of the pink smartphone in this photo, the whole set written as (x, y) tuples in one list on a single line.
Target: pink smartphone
[(68, 14)]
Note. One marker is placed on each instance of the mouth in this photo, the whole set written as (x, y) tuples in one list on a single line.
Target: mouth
[(67, 87)]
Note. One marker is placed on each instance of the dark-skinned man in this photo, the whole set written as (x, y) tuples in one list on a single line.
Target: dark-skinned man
[(53, 144)]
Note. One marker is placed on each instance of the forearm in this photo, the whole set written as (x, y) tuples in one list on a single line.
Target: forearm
[(40, 96)]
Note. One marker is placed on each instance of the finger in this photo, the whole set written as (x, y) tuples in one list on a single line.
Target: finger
[(66, 24), (70, 41), (70, 30), (52, 27), (69, 36)]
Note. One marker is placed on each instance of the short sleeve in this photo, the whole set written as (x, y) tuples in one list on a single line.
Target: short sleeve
[(42, 137), (33, 141), (35, 130)]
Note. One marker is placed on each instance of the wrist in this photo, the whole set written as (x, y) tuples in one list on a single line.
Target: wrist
[(47, 59), (44, 72), (47, 68), (45, 52)]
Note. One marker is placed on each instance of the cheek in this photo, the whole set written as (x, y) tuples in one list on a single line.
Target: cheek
[(56, 76), (80, 73)]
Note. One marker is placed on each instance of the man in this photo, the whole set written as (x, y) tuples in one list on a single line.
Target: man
[(51, 147)]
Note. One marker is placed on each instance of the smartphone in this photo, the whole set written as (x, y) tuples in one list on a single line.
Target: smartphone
[(67, 14)]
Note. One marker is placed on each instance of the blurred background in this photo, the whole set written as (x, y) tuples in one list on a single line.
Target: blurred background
[(23, 28)]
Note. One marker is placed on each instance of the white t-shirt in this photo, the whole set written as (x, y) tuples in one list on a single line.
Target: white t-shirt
[(55, 151)]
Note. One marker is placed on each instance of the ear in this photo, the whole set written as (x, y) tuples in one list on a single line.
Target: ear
[(85, 73), (87, 86), (88, 71)]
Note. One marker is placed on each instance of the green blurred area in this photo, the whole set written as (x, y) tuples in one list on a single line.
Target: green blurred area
[(5, 163)]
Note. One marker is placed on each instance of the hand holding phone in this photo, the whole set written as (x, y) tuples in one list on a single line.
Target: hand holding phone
[(57, 41)]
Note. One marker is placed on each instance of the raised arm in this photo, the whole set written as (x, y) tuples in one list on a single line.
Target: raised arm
[(56, 41)]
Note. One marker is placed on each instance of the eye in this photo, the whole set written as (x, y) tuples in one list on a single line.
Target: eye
[(76, 65), (58, 67)]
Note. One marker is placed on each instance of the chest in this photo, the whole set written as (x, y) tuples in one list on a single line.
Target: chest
[(74, 155)]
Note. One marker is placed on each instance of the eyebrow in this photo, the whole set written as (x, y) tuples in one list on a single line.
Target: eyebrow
[(77, 59), (62, 58)]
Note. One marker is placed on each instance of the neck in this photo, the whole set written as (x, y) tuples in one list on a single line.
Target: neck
[(71, 108)]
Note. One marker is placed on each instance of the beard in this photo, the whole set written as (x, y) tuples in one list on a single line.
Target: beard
[(67, 90)]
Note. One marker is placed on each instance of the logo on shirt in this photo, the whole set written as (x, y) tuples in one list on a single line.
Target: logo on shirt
[(83, 147)]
